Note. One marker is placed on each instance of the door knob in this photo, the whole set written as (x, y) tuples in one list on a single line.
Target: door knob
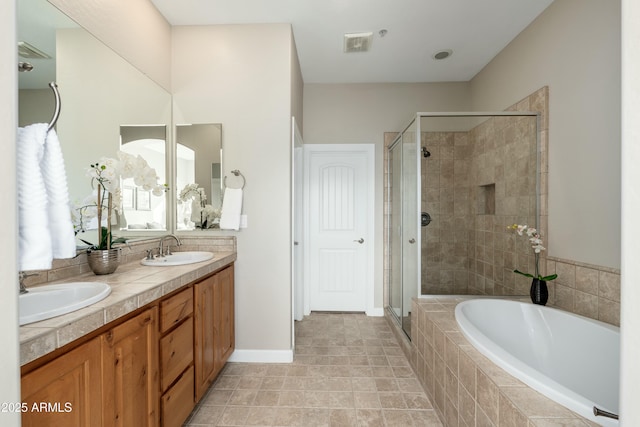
[(360, 240), (412, 241)]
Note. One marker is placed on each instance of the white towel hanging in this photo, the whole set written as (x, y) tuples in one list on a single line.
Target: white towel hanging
[(231, 209), (34, 238), (45, 230), (63, 239)]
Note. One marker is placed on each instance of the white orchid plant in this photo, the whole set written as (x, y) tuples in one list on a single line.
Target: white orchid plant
[(208, 213), (536, 244), (106, 175)]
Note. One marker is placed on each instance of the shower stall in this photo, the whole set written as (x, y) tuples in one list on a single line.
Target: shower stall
[(455, 181)]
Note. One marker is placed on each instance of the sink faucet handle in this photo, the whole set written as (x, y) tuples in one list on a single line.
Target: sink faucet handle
[(149, 254), (21, 276), (168, 251)]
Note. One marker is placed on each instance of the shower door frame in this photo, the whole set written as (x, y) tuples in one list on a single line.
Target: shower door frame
[(417, 119), (417, 243)]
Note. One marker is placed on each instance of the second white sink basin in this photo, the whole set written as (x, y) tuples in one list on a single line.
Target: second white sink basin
[(45, 302), (178, 258)]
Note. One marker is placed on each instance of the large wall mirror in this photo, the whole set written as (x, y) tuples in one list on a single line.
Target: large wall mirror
[(198, 176), (107, 104)]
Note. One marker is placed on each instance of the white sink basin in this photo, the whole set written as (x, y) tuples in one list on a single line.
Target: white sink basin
[(178, 258), (45, 302)]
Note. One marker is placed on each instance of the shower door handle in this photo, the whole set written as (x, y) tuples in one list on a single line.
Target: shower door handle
[(412, 240), (360, 240)]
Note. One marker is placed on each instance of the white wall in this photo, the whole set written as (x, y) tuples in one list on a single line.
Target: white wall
[(630, 315), (135, 29), (9, 356), (240, 76), (574, 48), (361, 113), (100, 92)]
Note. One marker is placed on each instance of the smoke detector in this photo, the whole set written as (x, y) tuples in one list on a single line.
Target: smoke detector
[(26, 50), (357, 42)]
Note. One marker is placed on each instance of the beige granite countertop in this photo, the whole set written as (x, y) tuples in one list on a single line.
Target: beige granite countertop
[(132, 286)]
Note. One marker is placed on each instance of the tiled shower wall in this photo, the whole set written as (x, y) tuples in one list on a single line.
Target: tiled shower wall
[(467, 248), (475, 183)]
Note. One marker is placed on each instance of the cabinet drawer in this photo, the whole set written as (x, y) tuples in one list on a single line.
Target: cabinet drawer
[(178, 402), (176, 308), (176, 352)]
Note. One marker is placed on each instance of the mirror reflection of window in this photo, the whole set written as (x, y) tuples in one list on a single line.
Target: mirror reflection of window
[(198, 176), (142, 210)]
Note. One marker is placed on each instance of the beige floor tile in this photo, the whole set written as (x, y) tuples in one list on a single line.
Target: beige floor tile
[(369, 418), (348, 370), (259, 416), (233, 416)]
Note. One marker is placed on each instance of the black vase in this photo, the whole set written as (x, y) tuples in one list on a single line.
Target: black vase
[(539, 292)]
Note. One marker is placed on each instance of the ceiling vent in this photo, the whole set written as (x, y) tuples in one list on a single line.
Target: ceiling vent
[(25, 50), (357, 42)]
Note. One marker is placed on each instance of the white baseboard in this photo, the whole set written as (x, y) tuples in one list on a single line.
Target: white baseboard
[(262, 356), (376, 312)]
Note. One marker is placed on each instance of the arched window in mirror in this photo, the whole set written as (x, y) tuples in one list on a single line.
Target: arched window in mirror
[(198, 176), (141, 210)]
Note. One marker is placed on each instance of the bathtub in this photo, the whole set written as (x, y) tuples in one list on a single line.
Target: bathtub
[(570, 359)]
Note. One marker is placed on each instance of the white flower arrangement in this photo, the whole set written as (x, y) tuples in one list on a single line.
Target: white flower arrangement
[(536, 244), (207, 212), (191, 191), (107, 196)]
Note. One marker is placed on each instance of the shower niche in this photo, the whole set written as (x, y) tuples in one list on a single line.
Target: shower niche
[(481, 174)]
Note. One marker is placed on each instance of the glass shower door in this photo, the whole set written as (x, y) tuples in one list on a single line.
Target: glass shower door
[(410, 223), (404, 238), (395, 230)]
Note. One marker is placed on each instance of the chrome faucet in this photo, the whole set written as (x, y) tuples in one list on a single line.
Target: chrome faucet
[(161, 252), (602, 413), (21, 276)]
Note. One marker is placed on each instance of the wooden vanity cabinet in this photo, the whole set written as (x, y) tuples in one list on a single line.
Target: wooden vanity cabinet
[(177, 398), (224, 317), (147, 370), (72, 382), (130, 372), (213, 328)]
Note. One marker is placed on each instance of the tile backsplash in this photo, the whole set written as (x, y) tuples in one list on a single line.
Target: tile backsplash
[(585, 289), (134, 251)]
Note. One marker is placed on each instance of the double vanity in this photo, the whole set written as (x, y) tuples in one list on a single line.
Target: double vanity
[(145, 354)]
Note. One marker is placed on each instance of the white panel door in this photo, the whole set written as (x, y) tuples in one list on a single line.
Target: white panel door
[(339, 236)]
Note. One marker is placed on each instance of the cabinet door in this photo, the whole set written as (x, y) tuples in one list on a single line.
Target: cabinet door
[(224, 317), (130, 372), (204, 334), (69, 387)]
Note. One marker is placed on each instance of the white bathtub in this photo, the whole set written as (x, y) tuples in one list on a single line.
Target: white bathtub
[(570, 359)]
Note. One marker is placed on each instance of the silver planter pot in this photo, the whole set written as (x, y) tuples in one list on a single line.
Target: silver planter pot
[(103, 261)]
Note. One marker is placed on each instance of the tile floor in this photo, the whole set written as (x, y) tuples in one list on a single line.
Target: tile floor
[(348, 370)]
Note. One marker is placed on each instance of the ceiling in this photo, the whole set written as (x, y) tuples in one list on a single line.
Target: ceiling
[(416, 29)]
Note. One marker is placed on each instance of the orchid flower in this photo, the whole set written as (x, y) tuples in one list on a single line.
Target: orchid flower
[(536, 244)]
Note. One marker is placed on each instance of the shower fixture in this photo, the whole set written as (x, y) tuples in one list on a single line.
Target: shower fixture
[(425, 152)]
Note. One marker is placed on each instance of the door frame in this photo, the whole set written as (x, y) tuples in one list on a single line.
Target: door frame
[(368, 152)]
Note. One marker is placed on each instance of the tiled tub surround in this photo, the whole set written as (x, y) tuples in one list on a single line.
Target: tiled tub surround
[(585, 289), (466, 388), (133, 286)]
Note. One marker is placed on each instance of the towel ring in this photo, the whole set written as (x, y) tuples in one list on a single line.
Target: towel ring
[(236, 172), (56, 113)]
